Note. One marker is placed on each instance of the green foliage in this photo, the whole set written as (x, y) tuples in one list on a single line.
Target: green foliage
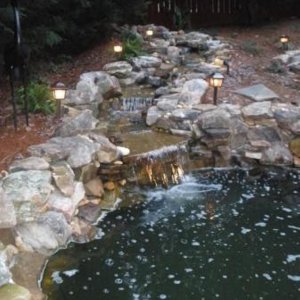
[(250, 47), (68, 26), (132, 46), (40, 98)]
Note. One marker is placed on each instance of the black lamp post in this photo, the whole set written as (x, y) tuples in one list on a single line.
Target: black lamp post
[(216, 81), (284, 39), (59, 93)]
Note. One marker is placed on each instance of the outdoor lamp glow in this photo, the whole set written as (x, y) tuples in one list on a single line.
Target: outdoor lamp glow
[(59, 93), (118, 48), (149, 32), (216, 81), (284, 39)]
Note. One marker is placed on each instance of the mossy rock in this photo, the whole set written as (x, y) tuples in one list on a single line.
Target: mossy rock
[(14, 292), (295, 146)]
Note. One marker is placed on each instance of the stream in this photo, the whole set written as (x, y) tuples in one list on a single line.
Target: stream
[(219, 234)]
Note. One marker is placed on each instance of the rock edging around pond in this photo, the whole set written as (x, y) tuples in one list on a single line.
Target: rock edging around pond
[(55, 195)]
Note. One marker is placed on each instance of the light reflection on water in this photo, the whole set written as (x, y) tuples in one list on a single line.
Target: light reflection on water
[(219, 235)]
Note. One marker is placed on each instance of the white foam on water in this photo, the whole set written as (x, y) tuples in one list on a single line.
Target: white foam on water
[(261, 224), (293, 227), (70, 273), (291, 257), (245, 230), (267, 276), (294, 277), (56, 277)]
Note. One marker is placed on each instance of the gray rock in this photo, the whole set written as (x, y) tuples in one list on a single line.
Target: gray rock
[(193, 91), (90, 212), (206, 69), (258, 111), (30, 163), (146, 62), (155, 81), (14, 292), (44, 236), (120, 69), (263, 136), (66, 205), (185, 114), (63, 176), (174, 54), (107, 155), (287, 116), (27, 186), (7, 212), (166, 104), (191, 76), (153, 115), (216, 123), (83, 96), (258, 92), (160, 45), (98, 84), (194, 40), (287, 57), (7, 259), (277, 155), (94, 188), (77, 151), (82, 122), (164, 90)]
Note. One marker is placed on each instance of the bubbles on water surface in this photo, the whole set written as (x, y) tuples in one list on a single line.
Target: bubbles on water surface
[(175, 246)]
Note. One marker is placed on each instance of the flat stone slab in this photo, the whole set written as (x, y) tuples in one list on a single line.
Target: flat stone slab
[(258, 92)]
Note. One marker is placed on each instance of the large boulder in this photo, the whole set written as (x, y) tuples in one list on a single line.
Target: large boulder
[(120, 69), (7, 211), (258, 112), (28, 191), (153, 115), (83, 96), (258, 92), (194, 40), (30, 163), (287, 116), (49, 232), (215, 123), (67, 205), (63, 176), (98, 84), (145, 62), (193, 91), (78, 151), (83, 122)]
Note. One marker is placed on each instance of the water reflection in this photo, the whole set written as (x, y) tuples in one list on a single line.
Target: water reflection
[(222, 234)]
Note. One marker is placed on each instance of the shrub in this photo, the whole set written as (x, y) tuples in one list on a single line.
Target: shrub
[(132, 46), (39, 96)]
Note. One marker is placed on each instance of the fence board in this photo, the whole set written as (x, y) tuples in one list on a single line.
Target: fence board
[(219, 12)]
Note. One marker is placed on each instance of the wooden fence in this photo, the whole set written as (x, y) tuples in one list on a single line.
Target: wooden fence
[(197, 13)]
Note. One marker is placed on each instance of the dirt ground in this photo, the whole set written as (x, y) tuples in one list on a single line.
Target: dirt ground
[(253, 49)]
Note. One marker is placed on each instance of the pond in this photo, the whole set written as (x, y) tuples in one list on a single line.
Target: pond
[(220, 234)]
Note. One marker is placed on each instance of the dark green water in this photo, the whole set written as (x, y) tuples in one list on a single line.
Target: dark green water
[(220, 234)]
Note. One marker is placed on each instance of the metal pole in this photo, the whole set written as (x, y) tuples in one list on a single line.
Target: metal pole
[(58, 108), (215, 95)]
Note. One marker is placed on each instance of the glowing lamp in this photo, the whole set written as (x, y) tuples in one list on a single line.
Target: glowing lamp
[(216, 81)]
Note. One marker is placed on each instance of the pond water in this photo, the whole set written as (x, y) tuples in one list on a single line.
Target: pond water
[(220, 234)]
